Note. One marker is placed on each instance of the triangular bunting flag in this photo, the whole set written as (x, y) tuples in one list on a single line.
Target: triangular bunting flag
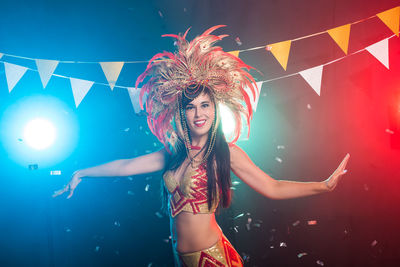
[(13, 74), (134, 96), (380, 51), (235, 53), (313, 77), (80, 89), (112, 71), (341, 36), (281, 52), (46, 69), (253, 101), (391, 18)]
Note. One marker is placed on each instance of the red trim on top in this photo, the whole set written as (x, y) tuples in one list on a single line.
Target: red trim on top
[(195, 147)]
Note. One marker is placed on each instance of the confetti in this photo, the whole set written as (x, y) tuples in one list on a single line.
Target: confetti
[(140, 127), (278, 159), (147, 188), (131, 193), (147, 132), (283, 245), (301, 254), (248, 224), (320, 263), (150, 264), (158, 214), (236, 229), (117, 224), (161, 14), (155, 144), (97, 249), (33, 167), (126, 129), (271, 246), (238, 216), (147, 151), (233, 188), (184, 9), (67, 229), (237, 39), (20, 139), (130, 178), (296, 223), (373, 244), (280, 147), (55, 172), (245, 257), (308, 106), (389, 131), (312, 222), (235, 182)]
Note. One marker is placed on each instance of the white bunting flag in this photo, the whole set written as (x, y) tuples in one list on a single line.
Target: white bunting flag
[(46, 69), (112, 71), (380, 51), (253, 101), (313, 77), (13, 74), (134, 96), (80, 89)]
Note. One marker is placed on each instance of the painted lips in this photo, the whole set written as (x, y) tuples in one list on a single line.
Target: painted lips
[(200, 123)]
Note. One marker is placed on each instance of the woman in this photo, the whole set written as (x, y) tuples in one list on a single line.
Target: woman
[(183, 95)]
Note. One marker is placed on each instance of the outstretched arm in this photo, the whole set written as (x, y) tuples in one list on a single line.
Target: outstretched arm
[(246, 170), (122, 167)]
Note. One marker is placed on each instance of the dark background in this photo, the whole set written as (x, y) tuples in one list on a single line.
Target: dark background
[(357, 224)]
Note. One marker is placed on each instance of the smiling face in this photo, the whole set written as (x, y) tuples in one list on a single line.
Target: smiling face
[(200, 114)]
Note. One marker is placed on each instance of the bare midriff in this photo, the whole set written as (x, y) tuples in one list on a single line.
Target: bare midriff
[(194, 232)]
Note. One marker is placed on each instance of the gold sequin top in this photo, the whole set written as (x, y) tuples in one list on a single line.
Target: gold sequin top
[(190, 194)]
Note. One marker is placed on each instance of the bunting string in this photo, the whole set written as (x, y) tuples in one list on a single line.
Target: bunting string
[(280, 51)]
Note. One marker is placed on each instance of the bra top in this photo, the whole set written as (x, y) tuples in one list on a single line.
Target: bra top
[(191, 193)]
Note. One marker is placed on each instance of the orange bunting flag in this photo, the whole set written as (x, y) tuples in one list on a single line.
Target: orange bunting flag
[(235, 53), (280, 51), (341, 36), (391, 19)]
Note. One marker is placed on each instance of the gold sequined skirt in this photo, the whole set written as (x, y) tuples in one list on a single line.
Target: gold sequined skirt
[(221, 254)]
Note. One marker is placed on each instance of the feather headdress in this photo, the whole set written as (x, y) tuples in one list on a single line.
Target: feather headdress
[(195, 64)]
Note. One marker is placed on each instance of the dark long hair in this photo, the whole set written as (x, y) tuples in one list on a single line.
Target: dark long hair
[(218, 162)]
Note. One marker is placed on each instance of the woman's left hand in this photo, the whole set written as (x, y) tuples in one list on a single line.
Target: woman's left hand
[(333, 180)]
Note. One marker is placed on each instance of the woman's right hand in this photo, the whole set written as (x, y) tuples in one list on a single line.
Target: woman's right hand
[(73, 183)]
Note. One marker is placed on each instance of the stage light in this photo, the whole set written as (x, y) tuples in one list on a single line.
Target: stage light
[(227, 120), (39, 133)]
